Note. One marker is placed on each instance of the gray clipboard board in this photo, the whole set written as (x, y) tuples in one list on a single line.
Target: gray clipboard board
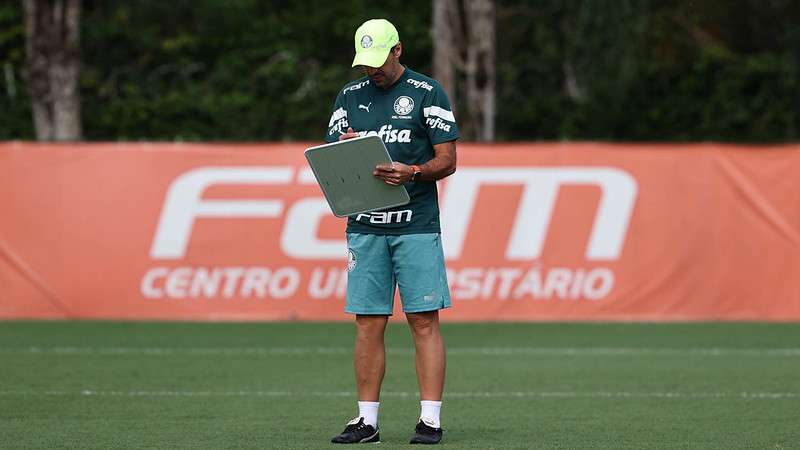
[(344, 172)]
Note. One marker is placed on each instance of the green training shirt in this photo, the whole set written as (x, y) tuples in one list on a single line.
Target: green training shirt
[(410, 116)]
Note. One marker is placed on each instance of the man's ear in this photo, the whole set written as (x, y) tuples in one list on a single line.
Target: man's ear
[(398, 49)]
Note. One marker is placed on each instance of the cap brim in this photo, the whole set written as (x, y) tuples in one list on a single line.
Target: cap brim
[(371, 59)]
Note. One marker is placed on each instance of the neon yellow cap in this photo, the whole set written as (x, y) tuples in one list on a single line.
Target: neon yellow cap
[(374, 39)]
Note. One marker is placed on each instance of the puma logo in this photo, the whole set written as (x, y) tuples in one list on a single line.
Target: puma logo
[(365, 107)]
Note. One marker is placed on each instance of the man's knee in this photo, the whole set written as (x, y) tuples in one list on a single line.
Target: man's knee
[(370, 327), (424, 324)]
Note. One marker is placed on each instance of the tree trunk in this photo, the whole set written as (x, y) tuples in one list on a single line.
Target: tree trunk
[(53, 67), (446, 25), (464, 62), (480, 67)]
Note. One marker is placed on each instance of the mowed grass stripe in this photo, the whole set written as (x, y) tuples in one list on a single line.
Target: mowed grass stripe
[(248, 393), (290, 385), (452, 351)]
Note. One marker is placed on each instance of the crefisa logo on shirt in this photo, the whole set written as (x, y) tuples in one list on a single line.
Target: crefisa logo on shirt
[(389, 134), (403, 105)]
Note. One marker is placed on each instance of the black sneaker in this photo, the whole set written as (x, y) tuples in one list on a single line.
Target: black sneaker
[(426, 434), (357, 432)]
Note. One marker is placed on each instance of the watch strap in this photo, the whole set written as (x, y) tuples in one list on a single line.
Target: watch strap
[(417, 173)]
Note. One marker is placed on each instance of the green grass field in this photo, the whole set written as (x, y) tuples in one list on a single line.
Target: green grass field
[(290, 385)]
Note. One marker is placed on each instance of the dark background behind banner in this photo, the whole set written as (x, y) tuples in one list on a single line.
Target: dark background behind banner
[(246, 70)]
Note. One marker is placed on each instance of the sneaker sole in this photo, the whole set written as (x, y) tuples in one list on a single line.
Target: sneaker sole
[(368, 440)]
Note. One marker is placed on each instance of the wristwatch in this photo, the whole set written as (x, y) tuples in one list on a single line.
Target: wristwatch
[(417, 173)]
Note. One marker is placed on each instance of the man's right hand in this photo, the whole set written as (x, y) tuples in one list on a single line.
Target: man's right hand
[(349, 135)]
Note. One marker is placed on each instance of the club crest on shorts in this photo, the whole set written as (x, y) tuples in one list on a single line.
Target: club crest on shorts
[(351, 260), (403, 105), (366, 41)]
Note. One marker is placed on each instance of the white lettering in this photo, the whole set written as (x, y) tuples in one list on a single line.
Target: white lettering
[(184, 203), (255, 281), (510, 283), (507, 278), (232, 276), (467, 283), (284, 283), (339, 126), (577, 283), (530, 286), (437, 123), (488, 284), (389, 134), (338, 114), (177, 282), (420, 84), (323, 283), (598, 284), (355, 87), (299, 237), (557, 282), (205, 283), (384, 217), (147, 286), (536, 206)]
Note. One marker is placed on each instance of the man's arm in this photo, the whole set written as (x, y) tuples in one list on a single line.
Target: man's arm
[(442, 165)]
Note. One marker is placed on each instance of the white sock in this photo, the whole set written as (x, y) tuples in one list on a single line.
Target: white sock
[(430, 413), (369, 411)]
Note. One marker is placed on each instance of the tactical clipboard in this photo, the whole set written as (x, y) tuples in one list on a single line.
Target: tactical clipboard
[(344, 172)]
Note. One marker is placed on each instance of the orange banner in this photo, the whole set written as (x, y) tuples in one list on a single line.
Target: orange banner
[(530, 232)]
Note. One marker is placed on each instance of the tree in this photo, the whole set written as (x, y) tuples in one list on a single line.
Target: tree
[(53, 67), (464, 61)]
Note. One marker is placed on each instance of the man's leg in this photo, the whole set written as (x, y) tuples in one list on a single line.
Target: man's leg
[(430, 354), (370, 292), (430, 360), (419, 267), (370, 356)]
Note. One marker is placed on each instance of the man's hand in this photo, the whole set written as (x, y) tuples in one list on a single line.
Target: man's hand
[(349, 135), (395, 173)]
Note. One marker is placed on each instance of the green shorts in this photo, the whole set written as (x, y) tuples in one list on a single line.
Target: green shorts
[(377, 263)]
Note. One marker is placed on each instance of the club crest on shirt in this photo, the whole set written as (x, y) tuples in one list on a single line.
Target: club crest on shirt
[(351, 260), (403, 105)]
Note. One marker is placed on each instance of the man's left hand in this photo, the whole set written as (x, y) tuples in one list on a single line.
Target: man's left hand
[(395, 173)]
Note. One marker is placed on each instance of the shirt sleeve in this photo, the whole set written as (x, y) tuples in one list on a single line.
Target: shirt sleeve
[(337, 125), (439, 121)]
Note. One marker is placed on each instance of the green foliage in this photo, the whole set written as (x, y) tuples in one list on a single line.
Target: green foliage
[(649, 70), (224, 70), (15, 111), (249, 70)]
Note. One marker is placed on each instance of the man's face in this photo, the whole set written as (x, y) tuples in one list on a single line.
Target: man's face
[(385, 75)]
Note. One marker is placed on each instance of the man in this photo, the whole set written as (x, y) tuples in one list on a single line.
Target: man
[(412, 114)]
